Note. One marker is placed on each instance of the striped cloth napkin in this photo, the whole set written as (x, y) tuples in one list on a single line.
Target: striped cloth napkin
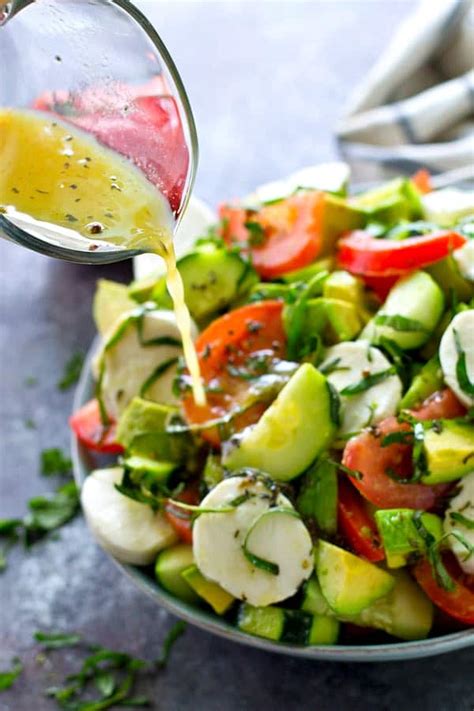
[(416, 107)]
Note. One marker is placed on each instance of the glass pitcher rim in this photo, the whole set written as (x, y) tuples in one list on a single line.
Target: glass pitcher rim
[(16, 234)]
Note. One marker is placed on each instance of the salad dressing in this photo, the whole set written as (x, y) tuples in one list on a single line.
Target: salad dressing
[(54, 173)]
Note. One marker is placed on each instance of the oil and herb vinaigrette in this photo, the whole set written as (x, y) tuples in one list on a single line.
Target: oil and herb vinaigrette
[(59, 175)]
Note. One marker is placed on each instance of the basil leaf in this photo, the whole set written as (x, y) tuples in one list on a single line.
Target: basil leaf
[(461, 367), (50, 512), (170, 640), (56, 640), (463, 520), (53, 462), (400, 323), (72, 371), (257, 236), (7, 678), (368, 382)]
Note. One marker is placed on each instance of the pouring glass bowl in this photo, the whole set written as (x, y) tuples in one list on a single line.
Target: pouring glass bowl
[(98, 65)]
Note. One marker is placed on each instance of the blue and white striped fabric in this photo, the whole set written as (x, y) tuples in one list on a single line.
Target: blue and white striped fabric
[(416, 106)]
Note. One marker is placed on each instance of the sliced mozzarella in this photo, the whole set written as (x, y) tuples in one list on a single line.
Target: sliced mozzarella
[(464, 258), (463, 325), (352, 361), (463, 504), (448, 206), (127, 529), (282, 539), (331, 177), (197, 219), (129, 363)]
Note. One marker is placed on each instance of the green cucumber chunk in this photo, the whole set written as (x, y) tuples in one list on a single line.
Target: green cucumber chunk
[(410, 313), (424, 384), (349, 583), (297, 426), (111, 301), (448, 451), (267, 622), (169, 565), (212, 593), (158, 471), (401, 536), (325, 627), (317, 499), (405, 612), (289, 626)]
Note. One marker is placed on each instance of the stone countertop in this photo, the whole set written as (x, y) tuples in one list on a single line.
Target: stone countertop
[(267, 81)]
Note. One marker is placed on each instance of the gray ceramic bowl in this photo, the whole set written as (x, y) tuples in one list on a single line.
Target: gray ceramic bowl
[(83, 465)]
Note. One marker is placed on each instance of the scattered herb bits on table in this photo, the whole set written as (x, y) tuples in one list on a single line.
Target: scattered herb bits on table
[(328, 482)]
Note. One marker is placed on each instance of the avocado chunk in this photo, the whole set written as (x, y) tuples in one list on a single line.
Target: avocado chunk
[(111, 301), (141, 290), (349, 583), (424, 384), (446, 274), (212, 593), (305, 274), (387, 204), (405, 612), (170, 563), (344, 286), (448, 449), (297, 426), (339, 215), (336, 320), (142, 431), (400, 533), (410, 313)]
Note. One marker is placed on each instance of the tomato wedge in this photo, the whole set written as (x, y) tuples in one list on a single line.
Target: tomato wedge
[(360, 253), (89, 430), (180, 519), (289, 233), (366, 455), (460, 602), (222, 348), (356, 523)]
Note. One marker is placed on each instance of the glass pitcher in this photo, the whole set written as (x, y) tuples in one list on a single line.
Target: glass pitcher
[(100, 66)]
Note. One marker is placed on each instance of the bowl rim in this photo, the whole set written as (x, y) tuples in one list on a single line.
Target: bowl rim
[(394, 651)]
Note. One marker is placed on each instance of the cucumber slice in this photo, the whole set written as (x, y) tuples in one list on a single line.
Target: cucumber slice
[(456, 354), (168, 568), (325, 627), (424, 384), (317, 499), (410, 313), (266, 622), (111, 301), (212, 593), (349, 583), (363, 369), (297, 426)]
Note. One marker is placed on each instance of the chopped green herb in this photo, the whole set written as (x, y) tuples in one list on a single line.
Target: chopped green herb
[(7, 678), (400, 437), (332, 366), (30, 424), (72, 371), (48, 513), (368, 382), (171, 638), (334, 404), (461, 367), (56, 640), (54, 461), (440, 573), (30, 381), (399, 323), (257, 236), (353, 473), (463, 520)]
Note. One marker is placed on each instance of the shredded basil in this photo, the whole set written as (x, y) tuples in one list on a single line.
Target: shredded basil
[(334, 404), (399, 437), (353, 473), (72, 371), (54, 461), (463, 520), (399, 323), (368, 382), (461, 367), (433, 554), (7, 678), (56, 640), (257, 236), (156, 374), (171, 638), (332, 366)]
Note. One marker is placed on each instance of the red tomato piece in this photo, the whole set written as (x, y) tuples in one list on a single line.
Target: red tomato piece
[(422, 180), (381, 285), (366, 455), (230, 341), (356, 523), (180, 519), (360, 253), (89, 430), (291, 233), (460, 602)]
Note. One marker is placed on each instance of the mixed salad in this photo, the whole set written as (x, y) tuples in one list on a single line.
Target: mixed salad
[(327, 486)]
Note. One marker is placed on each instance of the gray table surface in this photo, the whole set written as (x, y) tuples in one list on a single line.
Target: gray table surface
[(267, 82)]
